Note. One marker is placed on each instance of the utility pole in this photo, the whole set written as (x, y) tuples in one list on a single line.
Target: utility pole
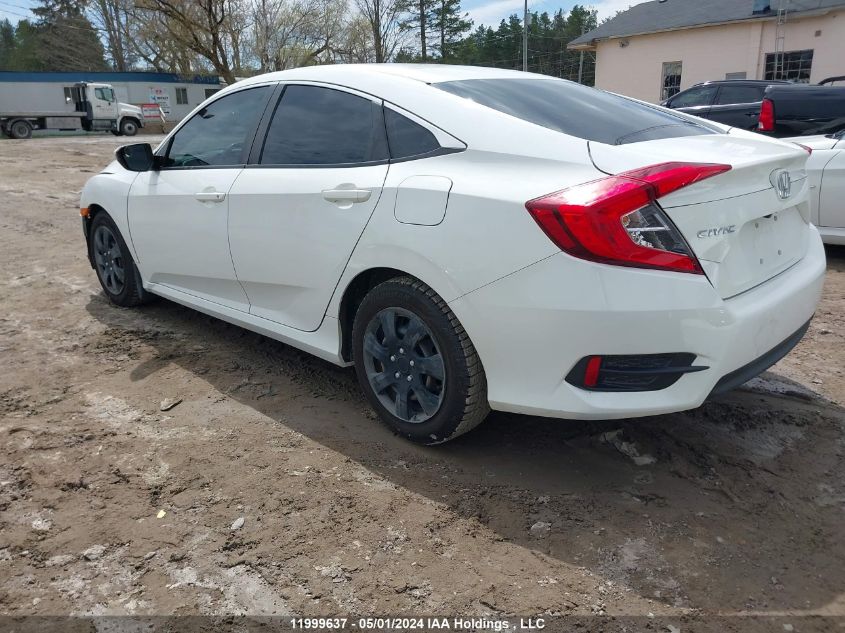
[(525, 39), (581, 60)]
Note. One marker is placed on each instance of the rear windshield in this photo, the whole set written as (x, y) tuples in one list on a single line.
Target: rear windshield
[(576, 110)]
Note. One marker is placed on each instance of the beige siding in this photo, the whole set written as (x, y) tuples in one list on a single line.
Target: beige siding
[(711, 52)]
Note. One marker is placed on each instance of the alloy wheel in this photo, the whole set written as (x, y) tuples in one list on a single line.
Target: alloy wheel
[(109, 260)]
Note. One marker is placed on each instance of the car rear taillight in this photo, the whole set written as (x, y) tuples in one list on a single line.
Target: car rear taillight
[(616, 220), (766, 122)]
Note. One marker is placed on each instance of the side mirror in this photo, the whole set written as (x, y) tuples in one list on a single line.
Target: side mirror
[(137, 157)]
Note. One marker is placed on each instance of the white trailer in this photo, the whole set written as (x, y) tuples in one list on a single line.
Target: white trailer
[(84, 106)]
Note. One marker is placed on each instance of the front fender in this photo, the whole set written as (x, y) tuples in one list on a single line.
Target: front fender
[(109, 190)]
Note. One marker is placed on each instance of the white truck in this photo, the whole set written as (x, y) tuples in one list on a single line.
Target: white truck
[(87, 106)]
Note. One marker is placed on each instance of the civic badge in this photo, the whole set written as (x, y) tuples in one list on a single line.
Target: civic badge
[(782, 182)]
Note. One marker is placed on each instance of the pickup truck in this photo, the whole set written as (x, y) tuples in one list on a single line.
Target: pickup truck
[(802, 110), (88, 106)]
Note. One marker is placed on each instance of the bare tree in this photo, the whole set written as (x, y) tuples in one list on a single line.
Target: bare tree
[(355, 46), (383, 17), (201, 26), (111, 17), (291, 33), (150, 40)]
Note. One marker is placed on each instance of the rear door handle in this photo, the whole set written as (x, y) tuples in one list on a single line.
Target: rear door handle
[(347, 195), (210, 196)]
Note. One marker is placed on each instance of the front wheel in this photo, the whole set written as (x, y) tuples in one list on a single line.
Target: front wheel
[(128, 127), (116, 271), (416, 364)]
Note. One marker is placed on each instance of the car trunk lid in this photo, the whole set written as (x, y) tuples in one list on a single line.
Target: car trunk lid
[(743, 225)]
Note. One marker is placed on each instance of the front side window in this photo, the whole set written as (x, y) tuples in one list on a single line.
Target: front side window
[(181, 96), (321, 126), (699, 96), (792, 66), (406, 138), (104, 94), (740, 94), (580, 111), (671, 79), (218, 134)]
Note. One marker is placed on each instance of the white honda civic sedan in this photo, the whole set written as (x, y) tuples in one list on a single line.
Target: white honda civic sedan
[(471, 239), (826, 174)]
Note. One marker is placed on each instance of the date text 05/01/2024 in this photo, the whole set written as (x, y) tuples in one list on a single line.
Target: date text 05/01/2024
[(414, 623)]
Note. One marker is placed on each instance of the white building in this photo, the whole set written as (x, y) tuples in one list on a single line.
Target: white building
[(655, 49)]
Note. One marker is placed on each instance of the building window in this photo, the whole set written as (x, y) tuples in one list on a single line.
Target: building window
[(211, 91), (791, 65), (181, 96), (671, 84)]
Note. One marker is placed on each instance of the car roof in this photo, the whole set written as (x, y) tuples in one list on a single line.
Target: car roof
[(759, 82), (426, 73)]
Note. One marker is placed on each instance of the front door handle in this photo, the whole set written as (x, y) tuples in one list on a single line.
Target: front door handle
[(347, 195), (210, 196)]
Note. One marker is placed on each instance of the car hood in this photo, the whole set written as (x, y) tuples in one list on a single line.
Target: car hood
[(130, 109)]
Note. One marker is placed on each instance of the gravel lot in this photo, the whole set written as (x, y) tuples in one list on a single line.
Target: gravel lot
[(109, 505)]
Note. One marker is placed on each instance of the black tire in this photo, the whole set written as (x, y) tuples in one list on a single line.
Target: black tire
[(115, 132), (128, 127), (20, 129), (462, 392), (116, 272)]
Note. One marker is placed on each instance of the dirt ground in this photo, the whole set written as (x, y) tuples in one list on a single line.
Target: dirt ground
[(109, 505)]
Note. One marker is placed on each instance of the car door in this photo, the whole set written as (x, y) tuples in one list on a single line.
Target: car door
[(831, 209), (298, 210), (178, 214), (738, 105), (695, 100), (103, 103)]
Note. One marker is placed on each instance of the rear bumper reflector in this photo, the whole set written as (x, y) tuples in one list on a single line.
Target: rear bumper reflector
[(639, 372)]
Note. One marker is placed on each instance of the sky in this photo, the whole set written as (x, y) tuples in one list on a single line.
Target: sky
[(488, 12)]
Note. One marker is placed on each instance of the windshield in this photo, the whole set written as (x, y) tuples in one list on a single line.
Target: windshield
[(576, 110)]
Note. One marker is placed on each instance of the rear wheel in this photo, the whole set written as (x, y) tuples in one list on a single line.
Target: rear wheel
[(20, 129), (116, 271), (416, 364)]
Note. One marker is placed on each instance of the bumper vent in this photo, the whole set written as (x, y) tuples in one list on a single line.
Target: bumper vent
[(642, 372)]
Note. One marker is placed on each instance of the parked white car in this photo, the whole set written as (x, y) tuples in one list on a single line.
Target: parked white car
[(471, 238), (826, 173)]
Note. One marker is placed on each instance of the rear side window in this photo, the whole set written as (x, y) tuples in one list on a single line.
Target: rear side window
[(321, 126), (740, 94), (576, 110), (407, 138)]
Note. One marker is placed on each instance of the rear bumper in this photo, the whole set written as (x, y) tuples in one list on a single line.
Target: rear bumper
[(756, 367), (533, 326)]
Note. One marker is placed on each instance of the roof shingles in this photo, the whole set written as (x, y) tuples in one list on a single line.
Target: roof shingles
[(666, 15)]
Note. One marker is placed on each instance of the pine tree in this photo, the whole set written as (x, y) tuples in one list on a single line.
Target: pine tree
[(7, 44), (417, 18), (450, 24), (66, 38)]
